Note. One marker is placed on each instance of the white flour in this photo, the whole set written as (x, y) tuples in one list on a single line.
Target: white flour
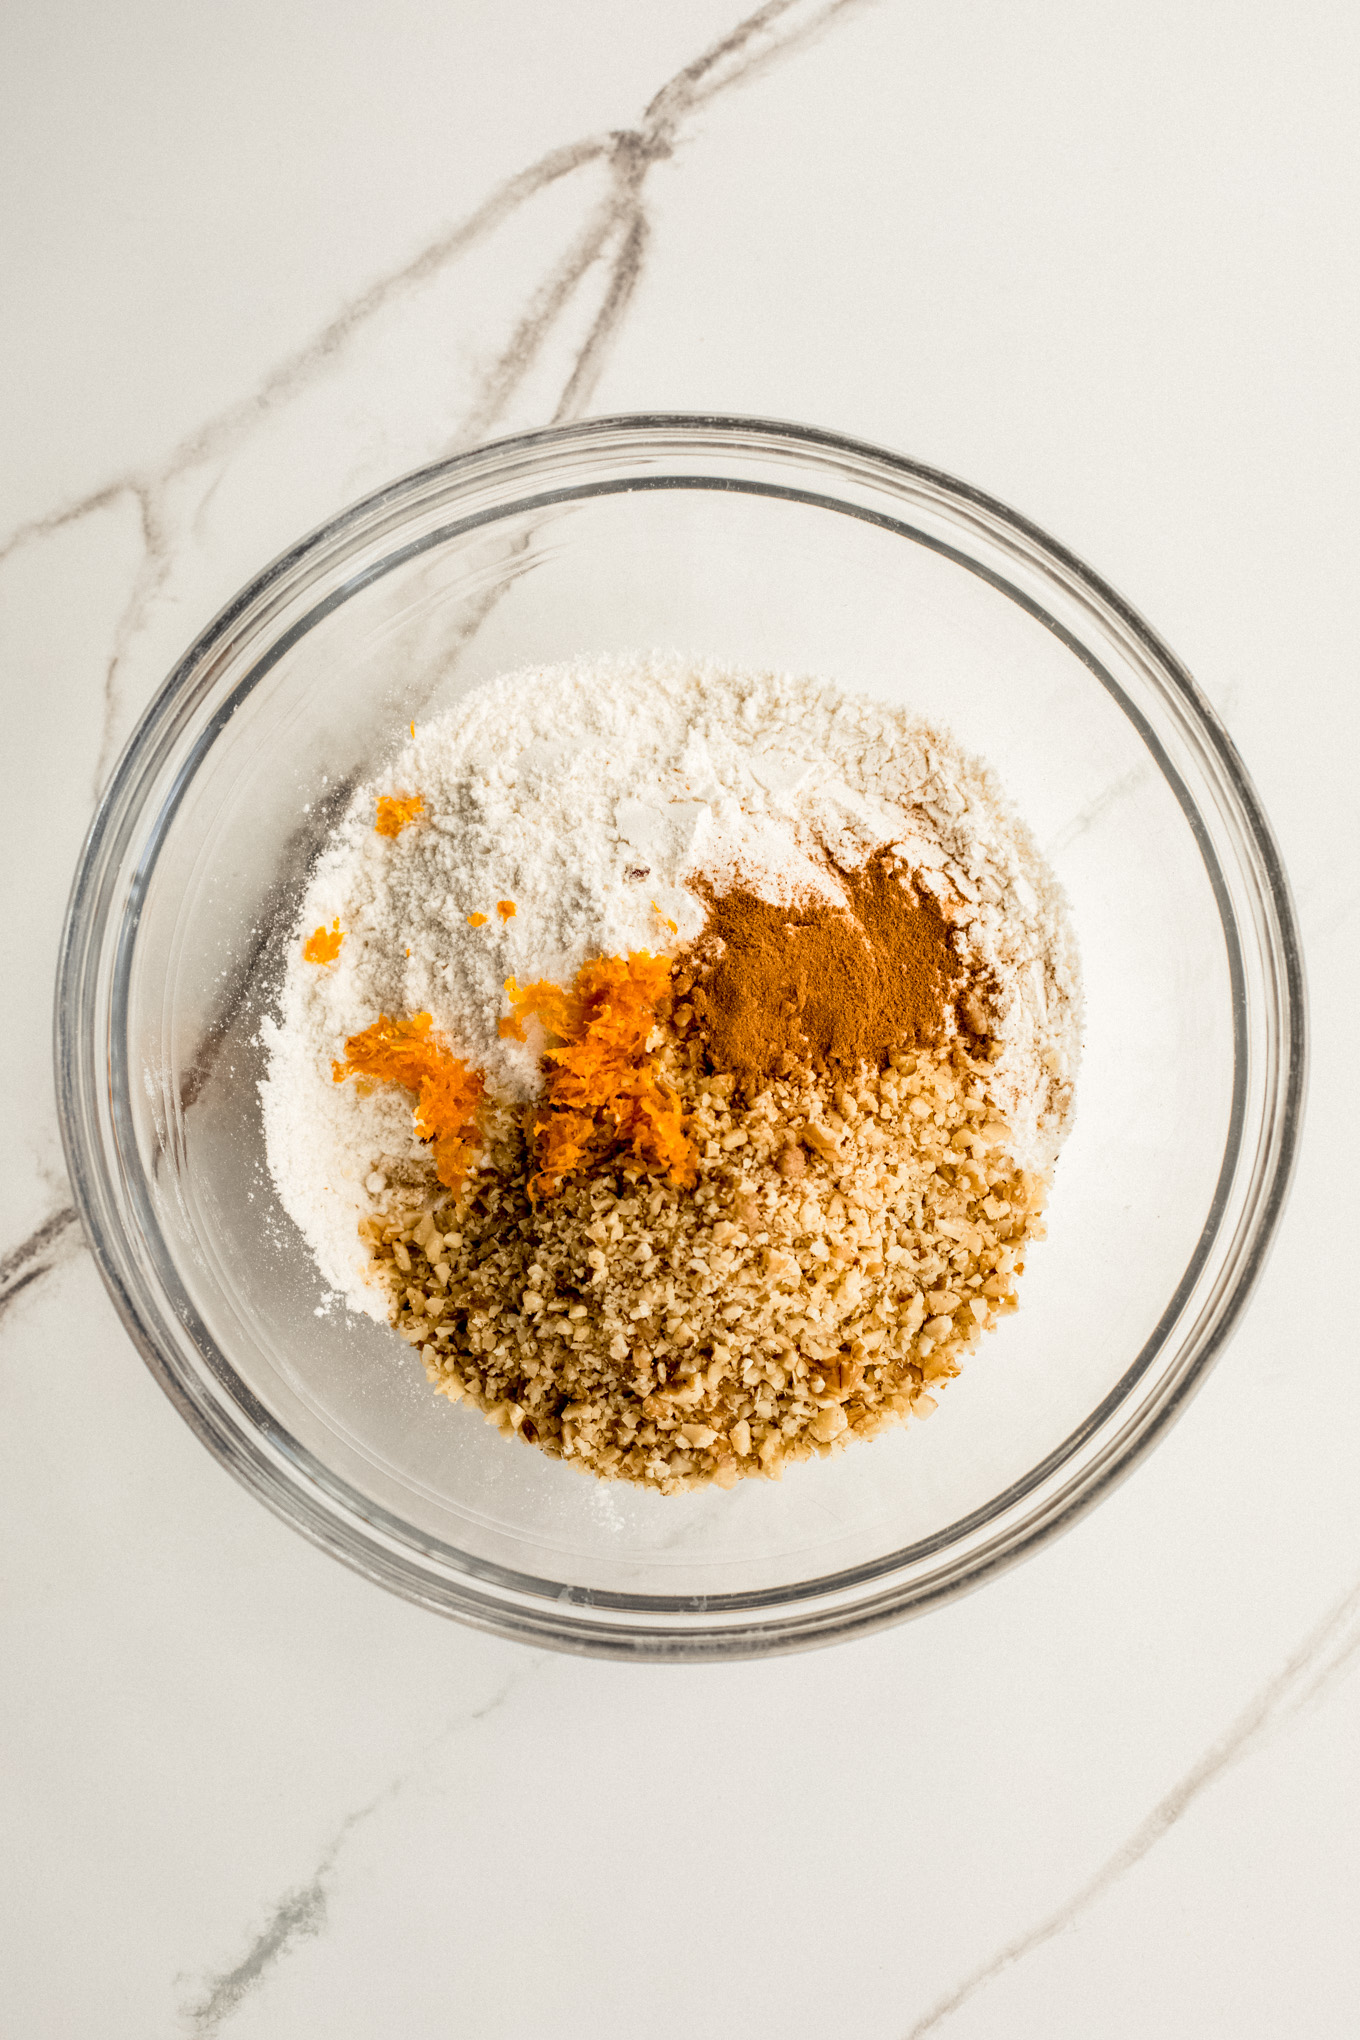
[(591, 795)]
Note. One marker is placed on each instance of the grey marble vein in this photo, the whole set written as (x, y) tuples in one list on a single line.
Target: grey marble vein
[(46, 1247), (222, 432), (151, 576), (300, 1913), (1320, 1660), (619, 225), (617, 232), (624, 278), (276, 913), (620, 230), (1119, 789), (744, 53)]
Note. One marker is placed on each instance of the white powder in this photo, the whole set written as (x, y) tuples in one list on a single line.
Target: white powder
[(592, 795)]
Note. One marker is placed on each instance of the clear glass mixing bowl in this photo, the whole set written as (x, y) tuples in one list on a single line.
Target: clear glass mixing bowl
[(763, 545)]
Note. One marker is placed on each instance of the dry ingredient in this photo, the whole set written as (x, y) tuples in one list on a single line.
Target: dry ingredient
[(724, 1140), (827, 1271), (397, 811), (448, 1093), (324, 945), (603, 1098), (813, 985)]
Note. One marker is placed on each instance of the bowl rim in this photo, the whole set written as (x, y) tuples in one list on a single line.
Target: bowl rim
[(372, 1540)]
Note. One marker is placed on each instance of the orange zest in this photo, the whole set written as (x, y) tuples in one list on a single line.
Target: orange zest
[(604, 1098), (395, 811), (506, 909), (448, 1091), (324, 945), (476, 920)]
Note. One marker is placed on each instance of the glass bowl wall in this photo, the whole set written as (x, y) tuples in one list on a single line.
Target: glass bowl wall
[(761, 545)]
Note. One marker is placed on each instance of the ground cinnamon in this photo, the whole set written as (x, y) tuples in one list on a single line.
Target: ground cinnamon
[(777, 990)]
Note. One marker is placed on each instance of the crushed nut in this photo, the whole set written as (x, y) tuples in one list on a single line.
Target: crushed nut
[(676, 1336)]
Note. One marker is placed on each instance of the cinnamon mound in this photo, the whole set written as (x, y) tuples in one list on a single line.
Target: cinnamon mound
[(778, 991)]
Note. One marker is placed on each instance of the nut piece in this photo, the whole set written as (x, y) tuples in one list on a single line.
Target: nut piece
[(710, 1333)]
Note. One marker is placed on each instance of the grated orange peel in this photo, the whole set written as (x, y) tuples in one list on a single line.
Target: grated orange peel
[(449, 1092), (397, 811), (604, 1098), (324, 945)]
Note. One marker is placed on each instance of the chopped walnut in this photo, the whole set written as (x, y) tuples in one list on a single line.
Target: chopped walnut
[(677, 1335)]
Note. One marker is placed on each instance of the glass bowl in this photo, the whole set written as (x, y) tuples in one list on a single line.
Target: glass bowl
[(764, 545)]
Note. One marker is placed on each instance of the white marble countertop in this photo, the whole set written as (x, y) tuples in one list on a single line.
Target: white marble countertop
[(1100, 262)]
